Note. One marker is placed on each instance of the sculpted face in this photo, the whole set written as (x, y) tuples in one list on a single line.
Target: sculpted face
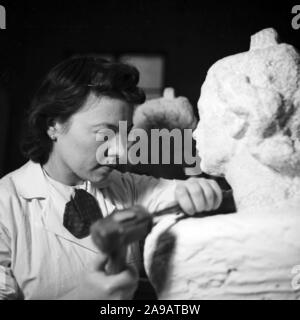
[(250, 101), (211, 138)]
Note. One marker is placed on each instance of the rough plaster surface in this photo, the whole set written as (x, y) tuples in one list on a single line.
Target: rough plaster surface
[(252, 253), (236, 256)]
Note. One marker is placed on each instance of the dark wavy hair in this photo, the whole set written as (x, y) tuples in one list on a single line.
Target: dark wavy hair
[(64, 91)]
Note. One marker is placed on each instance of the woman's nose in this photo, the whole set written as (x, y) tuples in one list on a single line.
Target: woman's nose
[(117, 147)]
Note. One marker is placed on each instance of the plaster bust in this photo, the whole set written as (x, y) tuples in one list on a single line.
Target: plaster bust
[(249, 132)]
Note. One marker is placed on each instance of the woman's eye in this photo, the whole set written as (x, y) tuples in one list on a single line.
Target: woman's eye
[(105, 135)]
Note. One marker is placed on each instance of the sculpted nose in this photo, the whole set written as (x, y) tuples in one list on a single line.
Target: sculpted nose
[(196, 131)]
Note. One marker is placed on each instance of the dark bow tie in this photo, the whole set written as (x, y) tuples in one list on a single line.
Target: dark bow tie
[(80, 212)]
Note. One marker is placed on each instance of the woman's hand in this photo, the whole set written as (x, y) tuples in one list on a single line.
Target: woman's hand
[(97, 285), (198, 195)]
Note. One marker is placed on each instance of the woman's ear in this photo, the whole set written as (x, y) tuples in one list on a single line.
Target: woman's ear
[(236, 123), (53, 130)]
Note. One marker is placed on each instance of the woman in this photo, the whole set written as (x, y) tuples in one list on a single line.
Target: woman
[(44, 254)]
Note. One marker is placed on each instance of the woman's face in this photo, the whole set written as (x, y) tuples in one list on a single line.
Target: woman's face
[(76, 146)]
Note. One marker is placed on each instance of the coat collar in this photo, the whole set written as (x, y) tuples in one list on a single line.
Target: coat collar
[(30, 181)]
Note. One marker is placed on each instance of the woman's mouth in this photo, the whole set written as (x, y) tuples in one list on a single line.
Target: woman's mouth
[(105, 167)]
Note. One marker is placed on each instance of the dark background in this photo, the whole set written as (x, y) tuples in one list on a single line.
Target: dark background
[(191, 35)]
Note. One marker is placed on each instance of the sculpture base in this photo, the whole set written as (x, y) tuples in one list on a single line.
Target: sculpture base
[(236, 256)]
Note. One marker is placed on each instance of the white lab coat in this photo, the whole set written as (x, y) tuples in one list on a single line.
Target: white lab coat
[(39, 258)]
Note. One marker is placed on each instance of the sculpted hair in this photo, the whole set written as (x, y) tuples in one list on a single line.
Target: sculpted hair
[(64, 91)]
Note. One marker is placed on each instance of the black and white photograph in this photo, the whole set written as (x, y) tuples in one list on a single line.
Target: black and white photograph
[(149, 150)]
